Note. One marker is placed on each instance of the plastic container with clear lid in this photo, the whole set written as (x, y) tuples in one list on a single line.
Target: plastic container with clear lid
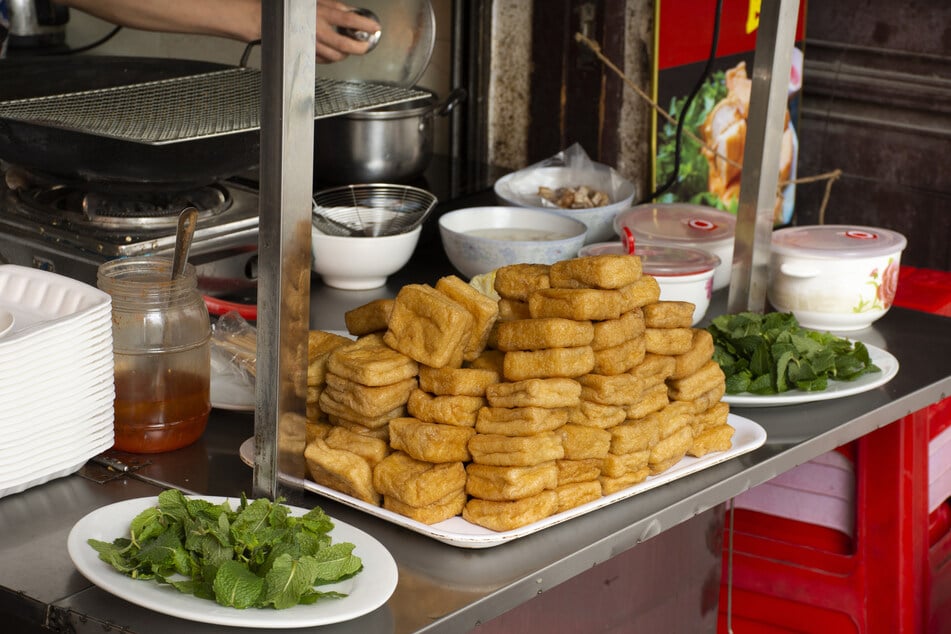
[(161, 342), (684, 225)]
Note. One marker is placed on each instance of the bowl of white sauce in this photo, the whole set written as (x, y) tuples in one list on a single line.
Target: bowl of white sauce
[(482, 239)]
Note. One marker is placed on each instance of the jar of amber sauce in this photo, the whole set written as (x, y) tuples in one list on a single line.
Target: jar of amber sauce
[(162, 346)]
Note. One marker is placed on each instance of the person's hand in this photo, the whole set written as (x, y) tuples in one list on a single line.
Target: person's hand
[(333, 46)]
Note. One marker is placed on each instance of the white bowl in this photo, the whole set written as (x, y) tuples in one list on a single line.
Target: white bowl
[(521, 189), (834, 277), (683, 274), (482, 239), (360, 262), (684, 225)]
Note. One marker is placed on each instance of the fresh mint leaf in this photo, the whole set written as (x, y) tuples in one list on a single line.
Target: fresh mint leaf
[(257, 555), (771, 353)]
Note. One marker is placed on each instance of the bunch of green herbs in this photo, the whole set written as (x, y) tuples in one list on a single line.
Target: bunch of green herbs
[(771, 353), (255, 556)]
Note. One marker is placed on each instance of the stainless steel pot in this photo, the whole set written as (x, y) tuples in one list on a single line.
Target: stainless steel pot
[(393, 144)]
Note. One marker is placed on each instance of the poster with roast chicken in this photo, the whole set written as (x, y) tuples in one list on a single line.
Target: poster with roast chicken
[(701, 162)]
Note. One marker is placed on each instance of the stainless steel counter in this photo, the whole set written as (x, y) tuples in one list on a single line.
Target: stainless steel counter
[(443, 588)]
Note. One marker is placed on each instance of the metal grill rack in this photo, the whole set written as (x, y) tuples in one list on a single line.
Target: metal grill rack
[(188, 108)]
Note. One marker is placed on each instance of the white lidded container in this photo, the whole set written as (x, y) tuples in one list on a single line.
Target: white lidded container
[(684, 226), (834, 277), (684, 274)]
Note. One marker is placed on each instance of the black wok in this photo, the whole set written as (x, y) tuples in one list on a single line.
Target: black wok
[(85, 157)]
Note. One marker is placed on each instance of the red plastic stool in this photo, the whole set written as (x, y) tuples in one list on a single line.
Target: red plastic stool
[(777, 581)]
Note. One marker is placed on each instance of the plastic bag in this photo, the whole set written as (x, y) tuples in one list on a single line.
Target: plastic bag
[(234, 349), (571, 168)]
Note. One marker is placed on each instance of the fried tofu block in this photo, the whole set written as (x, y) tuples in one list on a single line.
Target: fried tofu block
[(516, 451), (619, 358), (615, 389), (656, 367), (519, 421), (491, 482), (484, 311), (416, 482), (316, 429), (715, 416), (369, 361), (430, 442), (519, 365), (634, 435), (605, 271), (616, 465), (653, 398), (382, 432), (612, 332), (554, 392), (641, 293), (668, 341), (319, 346), (581, 304), (371, 449), (510, 309), (670, 450), (592, 414), (489, 360), (340, 470), (575, 494), (518, 281), (671, 418), (332, 407), (582, 443), (611, 485), (578, 470), (546, 332), (457, 381), (509, 515), (719, 438), (709, 398), (691, 387), (448, 409), (448, 506), (701, 351), (429, 327), (370, 317), (669, 314), (366, 400)]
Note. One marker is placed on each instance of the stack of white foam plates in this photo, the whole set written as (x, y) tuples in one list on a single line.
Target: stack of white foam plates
[(56, 376)]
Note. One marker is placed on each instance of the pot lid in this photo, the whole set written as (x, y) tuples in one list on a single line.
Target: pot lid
[(400, 57), (838, 241), (683, 224), (659, 259)]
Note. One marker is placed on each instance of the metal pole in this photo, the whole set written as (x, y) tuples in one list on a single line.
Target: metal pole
[(754, 224), (288, 32)]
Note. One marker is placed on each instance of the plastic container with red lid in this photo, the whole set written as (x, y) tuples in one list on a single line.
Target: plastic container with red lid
[(684, 226), (834, 277)]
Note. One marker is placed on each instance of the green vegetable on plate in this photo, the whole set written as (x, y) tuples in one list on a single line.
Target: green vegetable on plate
[(257, 555), (771, 353)]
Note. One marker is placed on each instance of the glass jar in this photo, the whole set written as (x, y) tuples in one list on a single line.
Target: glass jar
[(162, 346)]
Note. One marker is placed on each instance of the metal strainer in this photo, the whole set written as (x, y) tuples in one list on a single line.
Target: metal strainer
[(371, 209)]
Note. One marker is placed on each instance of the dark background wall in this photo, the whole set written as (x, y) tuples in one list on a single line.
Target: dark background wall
[(876, 104)]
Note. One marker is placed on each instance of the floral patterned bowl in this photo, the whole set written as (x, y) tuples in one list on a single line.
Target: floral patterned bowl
[(834, 277)]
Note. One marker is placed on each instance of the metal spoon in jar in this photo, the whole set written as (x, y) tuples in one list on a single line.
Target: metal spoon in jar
[(187, 221)]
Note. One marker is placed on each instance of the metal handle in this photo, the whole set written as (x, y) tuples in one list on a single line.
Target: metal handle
[(363, 36), (187, 221)]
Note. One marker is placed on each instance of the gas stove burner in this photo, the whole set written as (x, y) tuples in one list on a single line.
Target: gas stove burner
[(121, 211)]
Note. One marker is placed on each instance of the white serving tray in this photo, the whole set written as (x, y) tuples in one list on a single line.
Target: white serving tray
[(458, 532)]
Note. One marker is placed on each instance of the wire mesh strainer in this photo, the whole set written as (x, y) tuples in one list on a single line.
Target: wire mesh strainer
[(371, 209)]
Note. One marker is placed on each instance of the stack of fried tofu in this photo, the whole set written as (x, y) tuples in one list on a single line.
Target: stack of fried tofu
[(576, 382)]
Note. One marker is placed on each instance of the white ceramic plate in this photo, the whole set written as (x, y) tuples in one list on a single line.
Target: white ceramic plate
[(6, 321), (837, 389), (459, 532), (366, 591), (230, 392)]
